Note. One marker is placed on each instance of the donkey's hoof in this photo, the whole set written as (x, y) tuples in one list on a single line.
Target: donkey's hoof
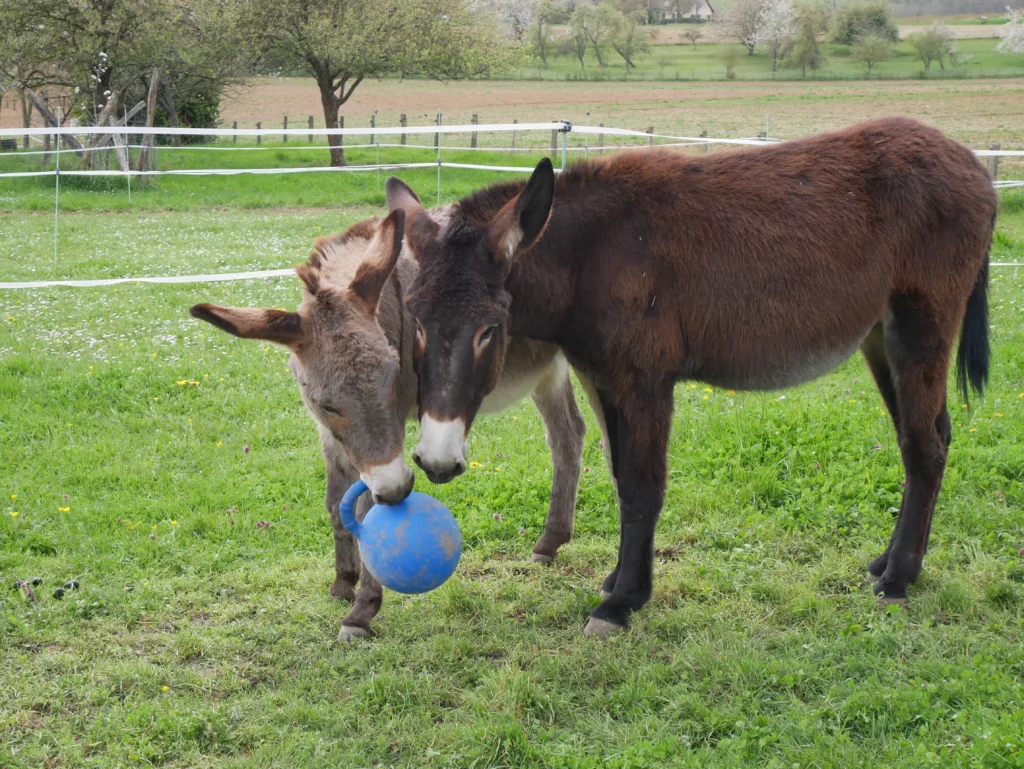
[(601, 628), (885, 601), (541, 558), (350, 633)]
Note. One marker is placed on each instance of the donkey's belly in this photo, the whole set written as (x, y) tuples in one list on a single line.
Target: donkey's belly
[(794, 372)]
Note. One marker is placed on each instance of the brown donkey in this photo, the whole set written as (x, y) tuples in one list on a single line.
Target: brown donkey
[(755, 269), (352, 341)]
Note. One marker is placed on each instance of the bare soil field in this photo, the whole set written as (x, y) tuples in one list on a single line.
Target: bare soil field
[(978, 112)]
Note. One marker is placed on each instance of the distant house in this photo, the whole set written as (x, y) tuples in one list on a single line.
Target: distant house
[(678, 10)]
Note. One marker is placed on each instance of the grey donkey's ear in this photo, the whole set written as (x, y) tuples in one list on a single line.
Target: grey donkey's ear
[(380, 260), (400, 195), (420, 229), (252, 323)]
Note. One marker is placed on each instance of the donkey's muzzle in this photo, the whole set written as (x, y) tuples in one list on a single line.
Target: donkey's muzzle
[(440, 473)]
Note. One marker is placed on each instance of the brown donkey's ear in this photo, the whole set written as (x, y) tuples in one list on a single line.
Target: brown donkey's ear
[(384, 251), (251, 323), (420, 229), (520, 223)]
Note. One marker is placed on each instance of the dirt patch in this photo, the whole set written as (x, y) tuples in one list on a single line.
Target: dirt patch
[(977, 112)]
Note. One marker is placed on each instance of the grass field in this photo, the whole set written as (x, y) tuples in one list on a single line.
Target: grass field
[(703, 62), (173, 471)]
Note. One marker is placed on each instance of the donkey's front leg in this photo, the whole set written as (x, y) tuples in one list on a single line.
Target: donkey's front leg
[(565, 431), (370, 594), (641, 431), (346, 552)]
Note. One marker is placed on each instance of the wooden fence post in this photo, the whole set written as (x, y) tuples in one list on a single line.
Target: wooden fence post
[(311, 129), (515, 134), (373, 126), (46, 150), (259, 137), (402, 122), (473, 139), (285, 136), (600, 140), (437, 136), (234, 127), (993, 163), (650, 138), (704, 135)]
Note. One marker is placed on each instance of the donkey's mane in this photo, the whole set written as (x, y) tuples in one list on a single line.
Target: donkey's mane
[(333, 262)]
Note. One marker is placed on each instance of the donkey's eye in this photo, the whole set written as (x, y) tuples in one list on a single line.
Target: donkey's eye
[(421, 332), (484, 337), (330, 410)]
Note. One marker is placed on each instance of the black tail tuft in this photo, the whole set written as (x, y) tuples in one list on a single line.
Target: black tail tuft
[(972, 357)]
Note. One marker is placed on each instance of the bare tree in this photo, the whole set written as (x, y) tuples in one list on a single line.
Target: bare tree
[(871, 49), (809, 21), (693, 35), (599, 24), (936, 43), (546, 13)]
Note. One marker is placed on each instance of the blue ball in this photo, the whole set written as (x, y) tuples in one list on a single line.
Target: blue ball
[(411, 547)]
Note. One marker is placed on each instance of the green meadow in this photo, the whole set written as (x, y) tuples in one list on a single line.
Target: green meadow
[(173, 471)]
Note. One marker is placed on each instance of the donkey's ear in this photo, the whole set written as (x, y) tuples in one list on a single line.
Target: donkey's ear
[(420, 229), (251, 323), (520, 223), (380, 260), (400, 195)]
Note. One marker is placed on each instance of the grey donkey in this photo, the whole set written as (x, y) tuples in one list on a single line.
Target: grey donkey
[(352, 341)]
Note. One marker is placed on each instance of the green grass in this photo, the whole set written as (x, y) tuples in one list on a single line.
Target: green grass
[(684, 62), (199, 639)]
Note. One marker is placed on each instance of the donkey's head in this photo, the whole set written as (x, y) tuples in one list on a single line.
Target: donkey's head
[(345, 367), (461, 305)]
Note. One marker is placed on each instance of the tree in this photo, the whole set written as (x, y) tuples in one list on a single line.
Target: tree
[(863, 19), (599, 25), (341, 43), (546, 14), (743, 21), (809, 21), (871, 49), (1013, 42), (514, 15), (933, 44), (776, 27), (693, 35), (576, 42), (633, 37), (730, 58)]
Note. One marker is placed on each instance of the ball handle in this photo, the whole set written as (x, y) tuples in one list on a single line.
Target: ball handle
[(346, 508)]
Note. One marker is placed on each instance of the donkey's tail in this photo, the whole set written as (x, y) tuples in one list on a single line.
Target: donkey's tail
[(972, 357)]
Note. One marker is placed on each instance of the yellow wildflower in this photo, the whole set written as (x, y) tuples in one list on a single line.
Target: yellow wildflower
[(708, 389), (853, 400), (165, 688), (964, 406), (174, 523), (14, 496), (996, 414), (692, 386), (973, 430), (10, 317), (156, 399), (220, 443), (475, 465), (730, 392), (63, 509), (497, 469), (705, 397), (14, 513)]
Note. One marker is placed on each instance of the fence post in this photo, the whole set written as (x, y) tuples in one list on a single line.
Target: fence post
[(650, 139), (259, 137), (473, 140), (993, 163), (600, 140), (704, 135), (554, 140), (373, 126), (234, 127), (311, 129), (515, 134), (437, 142), (46, 150), (285, 136), (402, 122)]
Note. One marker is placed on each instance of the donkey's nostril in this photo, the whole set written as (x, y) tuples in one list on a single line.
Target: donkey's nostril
[(418, 461)]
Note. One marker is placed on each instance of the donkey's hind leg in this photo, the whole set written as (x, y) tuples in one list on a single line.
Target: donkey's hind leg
[(873, 348), (918, 349), (565, 430)]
